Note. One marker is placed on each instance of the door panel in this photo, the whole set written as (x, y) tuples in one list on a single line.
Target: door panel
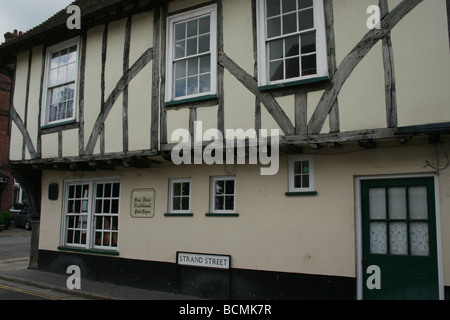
[(399, 236)]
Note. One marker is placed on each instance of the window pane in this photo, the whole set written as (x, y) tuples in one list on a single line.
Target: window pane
[(176, 204), (273, 27), (54, 63), (62, 73), (398, 238), (305, 181), (64, 57), (309, 43), (377, 203), (203, 45), (378, 238), (185, 203), (292, 68), (205, 64), (192, 67), (309, 65), (185, 188), (180, 31), (205, 83), (191, 47), (180, 69), (289, 23), (69, 113), (289, 5), (192, 87), (53, 77), (304, 4), (116, 190), (298, 181), (219, 203), (62, 111), (72, 54), (276, 70), (180, 88), (176, 188), (229, 186), (219, 187), (180, 49), (273, 8), (229, 203), (419, 239), (276, 49), (306, 19), (418, 203), (107, 190), (291, 47), (192, 28), (397, 203), (204, 24), (71, 72)]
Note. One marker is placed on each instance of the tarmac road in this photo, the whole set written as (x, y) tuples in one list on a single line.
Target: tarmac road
[(14, 243), (14, 254)]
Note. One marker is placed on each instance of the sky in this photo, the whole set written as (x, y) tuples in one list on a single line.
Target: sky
[(23, 15)]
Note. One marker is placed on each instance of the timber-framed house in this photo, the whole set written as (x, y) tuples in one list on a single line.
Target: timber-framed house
[(355, 118)]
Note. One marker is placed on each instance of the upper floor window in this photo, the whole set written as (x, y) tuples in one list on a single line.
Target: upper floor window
[(60, 83), (192, 54), (291, 41)]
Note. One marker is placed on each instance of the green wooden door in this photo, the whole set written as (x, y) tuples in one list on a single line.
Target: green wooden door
[(399, 237)]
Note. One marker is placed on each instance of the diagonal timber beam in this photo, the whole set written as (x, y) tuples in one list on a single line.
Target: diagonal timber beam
[(267, 100), (353, 59), (21, 126), (145, 58)]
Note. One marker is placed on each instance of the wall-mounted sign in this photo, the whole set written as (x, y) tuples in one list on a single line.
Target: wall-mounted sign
[(203, 260), (142, 203)]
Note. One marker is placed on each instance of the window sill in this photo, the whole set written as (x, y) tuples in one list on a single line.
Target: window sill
[(222, 214), (91, 251), (178, 214), (302, 193), (190, 100), (51, 128), (292, 83)]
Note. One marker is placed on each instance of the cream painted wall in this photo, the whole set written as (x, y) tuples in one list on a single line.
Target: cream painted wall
[(139, 90), (309, 234)]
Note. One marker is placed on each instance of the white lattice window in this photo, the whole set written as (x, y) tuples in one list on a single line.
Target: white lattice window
[(91, 214), (180, 196), (192, 54), (291, 41), (59, 96), (223, 195), (301, 173)]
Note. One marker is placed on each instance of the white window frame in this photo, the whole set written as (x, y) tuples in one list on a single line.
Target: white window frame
[(292, 161), (171, 194), (45, 94), (213, 194), (171, 21), (90, 226), (321, 45)]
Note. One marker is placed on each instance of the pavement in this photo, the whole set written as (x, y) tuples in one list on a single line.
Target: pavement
[(17, 270)]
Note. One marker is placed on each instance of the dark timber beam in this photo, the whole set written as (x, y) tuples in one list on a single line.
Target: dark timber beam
[(353, 59)]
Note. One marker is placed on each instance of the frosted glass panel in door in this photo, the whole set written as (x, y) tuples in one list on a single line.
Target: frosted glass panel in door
[(397, 203), (418, 203), (377, 203)]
